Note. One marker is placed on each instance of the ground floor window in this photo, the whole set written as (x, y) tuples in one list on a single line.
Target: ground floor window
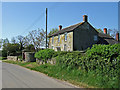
[(65, 47), (52, 47), (58, 49)]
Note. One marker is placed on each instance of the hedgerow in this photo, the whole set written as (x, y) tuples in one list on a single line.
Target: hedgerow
[(101, 60), (44, 54)]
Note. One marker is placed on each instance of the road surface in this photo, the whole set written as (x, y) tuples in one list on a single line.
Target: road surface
[(14, 76)]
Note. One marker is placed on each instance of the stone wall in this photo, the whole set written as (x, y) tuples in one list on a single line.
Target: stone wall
[(51, 61), (14, 58), (62, 43)]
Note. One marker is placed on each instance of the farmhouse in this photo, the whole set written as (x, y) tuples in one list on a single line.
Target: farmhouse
[(79, 37)]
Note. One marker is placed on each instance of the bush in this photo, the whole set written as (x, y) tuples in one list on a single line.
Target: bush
[(102, 60), (45, 54), (4, 53)]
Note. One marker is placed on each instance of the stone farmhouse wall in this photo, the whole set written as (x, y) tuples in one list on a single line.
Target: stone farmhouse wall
[(61, 44)]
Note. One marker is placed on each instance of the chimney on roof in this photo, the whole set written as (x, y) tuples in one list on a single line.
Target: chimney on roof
[(117, 36), (105, 30), (60, 27), (85, 18)]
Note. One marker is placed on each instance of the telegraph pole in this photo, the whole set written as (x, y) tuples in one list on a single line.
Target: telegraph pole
[(46, 28)]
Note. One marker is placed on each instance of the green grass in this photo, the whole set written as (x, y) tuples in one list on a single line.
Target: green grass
[(73, 76), (3, 58)]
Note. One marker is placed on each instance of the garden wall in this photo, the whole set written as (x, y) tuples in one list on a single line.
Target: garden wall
[(14, 58)]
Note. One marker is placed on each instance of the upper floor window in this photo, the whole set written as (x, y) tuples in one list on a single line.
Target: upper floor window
[(95, 38), (66, 36), (52, 39), (58, 37)]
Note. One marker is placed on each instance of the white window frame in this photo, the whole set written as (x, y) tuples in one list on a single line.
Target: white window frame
[(65, 47), (58, 37), (52, 47), (65, 36)]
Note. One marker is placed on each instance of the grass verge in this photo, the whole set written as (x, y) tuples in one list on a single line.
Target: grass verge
[(71, 76)]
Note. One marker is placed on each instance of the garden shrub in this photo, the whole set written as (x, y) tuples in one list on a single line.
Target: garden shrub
[(45, 54), (102, 60)]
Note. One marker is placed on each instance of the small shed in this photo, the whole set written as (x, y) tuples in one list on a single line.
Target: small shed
[(28, 56)]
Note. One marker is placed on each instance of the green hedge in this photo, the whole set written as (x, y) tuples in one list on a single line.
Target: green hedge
[(44, 54), (101, 60)]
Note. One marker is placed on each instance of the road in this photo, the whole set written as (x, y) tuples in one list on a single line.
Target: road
[(14, 76)]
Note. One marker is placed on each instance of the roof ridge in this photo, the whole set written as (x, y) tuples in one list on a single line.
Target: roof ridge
[(73, 25), (65, 29)]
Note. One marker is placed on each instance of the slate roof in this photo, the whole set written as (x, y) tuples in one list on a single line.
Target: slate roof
[(67, 29), (104, 38), (107, 38)]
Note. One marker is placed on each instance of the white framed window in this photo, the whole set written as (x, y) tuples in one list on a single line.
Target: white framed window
[(95, 38), (65, 36), (65, 47), (58, 37), (52, 39), (52, 47)]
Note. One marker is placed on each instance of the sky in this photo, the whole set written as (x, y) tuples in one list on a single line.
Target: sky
[(19, 18)]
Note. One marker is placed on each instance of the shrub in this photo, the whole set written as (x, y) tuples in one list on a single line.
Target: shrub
[(4, 53), (102, 60), (45, 54)]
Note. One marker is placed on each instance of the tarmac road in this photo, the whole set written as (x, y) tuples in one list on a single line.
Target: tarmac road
[(14, 76)]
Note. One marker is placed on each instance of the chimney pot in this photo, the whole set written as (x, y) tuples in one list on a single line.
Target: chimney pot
[(105, 30), (60, 27), (117, 36), (85, 18)]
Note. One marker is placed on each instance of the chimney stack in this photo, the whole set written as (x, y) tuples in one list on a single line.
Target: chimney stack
[(60, 27), (85, 18), (105, 30), (117, 36)]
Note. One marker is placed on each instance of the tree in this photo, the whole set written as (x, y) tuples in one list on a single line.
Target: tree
[(0, 43), (54, 30), (112, 32), (13, 40), (99, 30), (30, 47), (20, 40), (37, 38)]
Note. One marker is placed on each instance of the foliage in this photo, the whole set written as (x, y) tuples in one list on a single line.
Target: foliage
[(37, 38), (10, 49), (112, 32), (54, 30), (45, 54), (101, 60), (99, 30), (98, 67), (20, 40), (0, 53), (30, 47), (4, 53)]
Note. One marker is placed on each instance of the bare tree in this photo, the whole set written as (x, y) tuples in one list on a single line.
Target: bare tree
[(37, 38), (20, 40), (13, 40), (112, 32)]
